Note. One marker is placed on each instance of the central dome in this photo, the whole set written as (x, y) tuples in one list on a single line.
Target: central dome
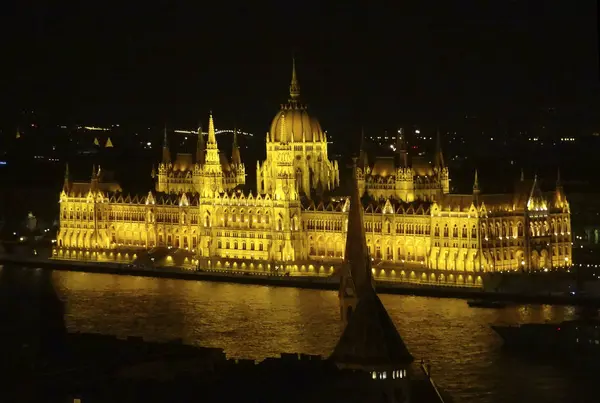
[(298, 123)]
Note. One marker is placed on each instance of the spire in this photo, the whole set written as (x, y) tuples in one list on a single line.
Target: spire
[(200, 147), (522, 175), (211, 130), (294, 87), (166, 154), (94, 181), (67, 177), (558, 181), (439, 156), (356, 255), (476, 184), (236, 159), (401, 148)]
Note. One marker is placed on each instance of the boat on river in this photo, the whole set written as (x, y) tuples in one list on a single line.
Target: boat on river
[(569, 338)]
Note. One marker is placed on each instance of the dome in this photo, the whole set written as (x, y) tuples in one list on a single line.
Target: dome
[(297, 122)]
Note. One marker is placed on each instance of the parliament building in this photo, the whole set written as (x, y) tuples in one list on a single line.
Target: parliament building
[(198, 215)]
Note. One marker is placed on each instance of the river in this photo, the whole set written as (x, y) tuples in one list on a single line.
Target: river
[(257, 321)]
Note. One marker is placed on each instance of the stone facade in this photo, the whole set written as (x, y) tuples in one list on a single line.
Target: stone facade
[(415, 229)]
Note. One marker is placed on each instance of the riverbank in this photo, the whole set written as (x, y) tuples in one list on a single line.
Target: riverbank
[(308, 282)]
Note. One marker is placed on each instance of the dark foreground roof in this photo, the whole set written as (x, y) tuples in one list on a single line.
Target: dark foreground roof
[(371, 338)]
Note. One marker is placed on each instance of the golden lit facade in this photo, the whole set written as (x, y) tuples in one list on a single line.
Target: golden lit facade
[(416, 231)]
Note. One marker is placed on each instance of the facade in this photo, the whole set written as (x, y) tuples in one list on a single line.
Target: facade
[(415, 229)]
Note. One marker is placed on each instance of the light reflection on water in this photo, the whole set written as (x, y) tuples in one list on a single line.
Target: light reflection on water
[(256, 321)]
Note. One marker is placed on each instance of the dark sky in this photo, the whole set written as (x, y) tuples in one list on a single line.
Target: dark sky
[(372, 66)]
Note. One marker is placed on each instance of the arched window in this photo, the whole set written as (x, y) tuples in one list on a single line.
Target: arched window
[(446, 231), (474, 232), (437, 230), (464, 231), (455, 231)]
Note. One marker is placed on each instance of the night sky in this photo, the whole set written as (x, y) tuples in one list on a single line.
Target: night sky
[(373, 66)]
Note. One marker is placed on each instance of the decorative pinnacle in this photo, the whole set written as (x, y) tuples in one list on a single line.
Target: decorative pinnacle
[(294, 87), (476, 182)]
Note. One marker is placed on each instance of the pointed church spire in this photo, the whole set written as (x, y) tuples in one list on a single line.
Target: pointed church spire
[(294, 87), (439, 156), (401, 148), (166, 154), (558, 181), (356, 254), (67, 180), (211, 130), (200, 147)]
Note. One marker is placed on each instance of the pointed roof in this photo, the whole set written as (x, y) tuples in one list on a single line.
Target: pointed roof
[(370, 339), (536, 198), (211, 130), (476, 183), (294, 86), (356, 255), (96, 142), (109, 143)]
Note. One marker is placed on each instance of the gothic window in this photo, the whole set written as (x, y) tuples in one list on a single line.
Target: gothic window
[(455, 231), (474, 232), (389, 228), (464, 231), (520, 229), (446, 231), (437, 230)]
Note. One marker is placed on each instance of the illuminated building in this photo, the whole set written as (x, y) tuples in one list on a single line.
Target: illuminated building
[(415, 229)]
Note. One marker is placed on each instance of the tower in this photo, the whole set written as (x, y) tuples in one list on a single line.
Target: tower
[(294, 131)]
